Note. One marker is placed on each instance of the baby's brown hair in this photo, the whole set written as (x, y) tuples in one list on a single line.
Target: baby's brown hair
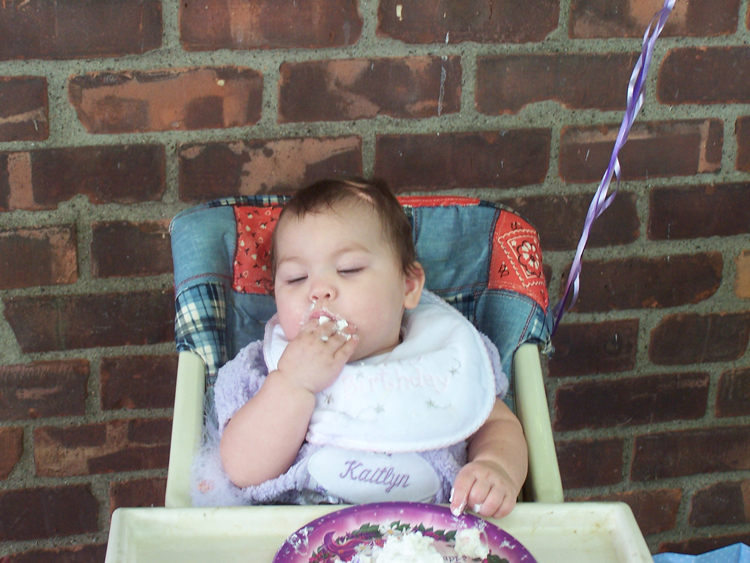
[(327, 194)]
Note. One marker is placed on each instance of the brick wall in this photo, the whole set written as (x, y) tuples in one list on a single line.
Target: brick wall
[(116, 114)]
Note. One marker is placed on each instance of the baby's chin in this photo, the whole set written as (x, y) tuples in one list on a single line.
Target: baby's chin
[(365, 354)]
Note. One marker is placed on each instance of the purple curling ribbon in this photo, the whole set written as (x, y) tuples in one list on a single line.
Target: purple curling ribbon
[(601, 201)]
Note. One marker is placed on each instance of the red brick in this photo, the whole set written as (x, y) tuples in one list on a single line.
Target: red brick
[(37, 29), (742, 275), (138, 382), (166, 100), (44, 178), (137, 493), (43, 389), (434, 21), (630, 18), (639, 283), (507, 83), (590, 463), (24, 107), (699, 211), (721, 504), (668, 148), (108, 447), (347, 89), (121, 248), (214, 170), (705, 75), (31, 257), (268, 24), (654, 510), (630, 401), (75, 554), (67, 322), (497, 159), (560, 219), (589, 348), (698, 545), (11, 449), (690, 452), (742, 131), (684, 339), (733, 394), (29, 514)]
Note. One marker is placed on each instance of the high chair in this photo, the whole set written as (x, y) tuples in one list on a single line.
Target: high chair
[(480, 257)]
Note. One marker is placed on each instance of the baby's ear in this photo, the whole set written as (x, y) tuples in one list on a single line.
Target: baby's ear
[(414, 285)]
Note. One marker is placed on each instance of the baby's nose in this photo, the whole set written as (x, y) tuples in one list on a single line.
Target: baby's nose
[(319, 295), (321, 291)]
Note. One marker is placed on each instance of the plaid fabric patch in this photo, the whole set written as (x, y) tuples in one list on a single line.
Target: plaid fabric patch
[(464, 303), (200, 325)]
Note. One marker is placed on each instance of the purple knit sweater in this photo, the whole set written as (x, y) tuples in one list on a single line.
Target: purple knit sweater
[(238, 381)]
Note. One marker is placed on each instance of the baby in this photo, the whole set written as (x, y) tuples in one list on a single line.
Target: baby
[(366, 388)]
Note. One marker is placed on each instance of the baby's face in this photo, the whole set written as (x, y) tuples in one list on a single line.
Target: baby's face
[(339, 260)]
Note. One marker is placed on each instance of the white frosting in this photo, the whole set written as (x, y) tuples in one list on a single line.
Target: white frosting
[(469, 544), (413, 547), (341, 324), (328, 317), (407, 548)]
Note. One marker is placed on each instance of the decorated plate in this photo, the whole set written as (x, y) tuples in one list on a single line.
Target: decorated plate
[(342, 535)]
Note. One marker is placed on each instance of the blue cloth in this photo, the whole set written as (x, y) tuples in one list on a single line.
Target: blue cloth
[(736, 553), (454, 244)]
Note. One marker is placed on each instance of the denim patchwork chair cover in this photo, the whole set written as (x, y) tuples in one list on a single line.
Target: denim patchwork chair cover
[(480, 257)]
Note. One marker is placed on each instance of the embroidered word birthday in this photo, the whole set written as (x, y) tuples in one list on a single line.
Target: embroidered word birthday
[(393, 379)]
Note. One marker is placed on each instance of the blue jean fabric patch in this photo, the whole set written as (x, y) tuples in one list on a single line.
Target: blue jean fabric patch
[(454, 244)]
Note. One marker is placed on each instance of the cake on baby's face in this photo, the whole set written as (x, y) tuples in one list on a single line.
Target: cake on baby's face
[(325, 316)]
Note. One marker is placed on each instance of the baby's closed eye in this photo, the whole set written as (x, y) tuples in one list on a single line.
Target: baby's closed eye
[(350, 271)]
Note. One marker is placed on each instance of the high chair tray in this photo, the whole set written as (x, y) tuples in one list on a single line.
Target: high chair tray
[(553, 533)]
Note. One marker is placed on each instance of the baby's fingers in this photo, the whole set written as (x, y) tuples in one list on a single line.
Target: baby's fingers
[(505, 508), (498, 502), (347, 348), (478, 496), (460, 493), (482, 490)]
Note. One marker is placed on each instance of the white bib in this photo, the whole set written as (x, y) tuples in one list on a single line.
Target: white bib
[(433, 390)]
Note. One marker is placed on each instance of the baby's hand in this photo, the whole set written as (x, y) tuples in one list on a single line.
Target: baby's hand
[(315, 358), (486, 488)]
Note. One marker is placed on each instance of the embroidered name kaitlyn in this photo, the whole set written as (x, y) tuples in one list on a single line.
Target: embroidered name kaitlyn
[(379, 476)]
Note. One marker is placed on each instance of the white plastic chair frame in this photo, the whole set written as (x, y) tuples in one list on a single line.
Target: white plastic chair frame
[(543, 483)]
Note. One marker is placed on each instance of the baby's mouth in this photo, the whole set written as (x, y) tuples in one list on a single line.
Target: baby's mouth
[(323, 315)]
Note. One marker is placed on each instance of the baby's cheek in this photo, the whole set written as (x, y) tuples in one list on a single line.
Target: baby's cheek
[(290, 324), (291, 334)]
